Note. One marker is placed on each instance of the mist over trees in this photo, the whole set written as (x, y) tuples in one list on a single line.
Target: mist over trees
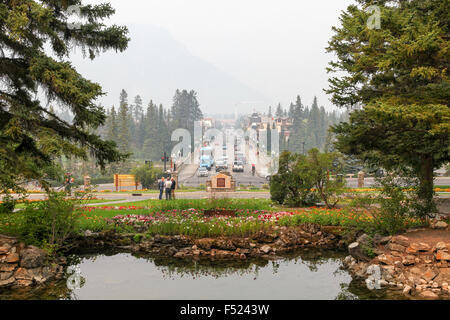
[(309, 126), (146, 132)]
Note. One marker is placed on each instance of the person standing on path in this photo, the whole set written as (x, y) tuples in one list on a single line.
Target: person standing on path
[(173, 187), (161, 185), (168, 186)]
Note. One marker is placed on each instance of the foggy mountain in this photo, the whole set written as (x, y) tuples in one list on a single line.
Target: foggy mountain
[(155, 65)]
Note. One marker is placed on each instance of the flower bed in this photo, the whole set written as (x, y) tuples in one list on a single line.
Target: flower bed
[(245, 222)]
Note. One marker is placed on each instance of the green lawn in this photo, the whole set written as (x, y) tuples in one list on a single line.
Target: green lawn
[(23, 205)]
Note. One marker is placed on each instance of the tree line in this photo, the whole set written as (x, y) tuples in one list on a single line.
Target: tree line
[(310, 126), (145, 132)]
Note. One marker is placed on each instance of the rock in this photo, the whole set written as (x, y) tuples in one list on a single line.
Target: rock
[(429, 275), (242, 251), (440, 225), (4, 249), (12, 258), (428, 295), (5, 275), (409, 260), (224, 244), (348, 260), (401, 240), (377, 239), (7, 282), (88, 233), (23, 274), (396, 247), (171, 251), (180, 254), (407, 290), (442, 255), (7, 267), (24, 283), (357, 252), (32, 257), (385, 259), (266, 249), (441, 246), (243, 243), (204, 244)]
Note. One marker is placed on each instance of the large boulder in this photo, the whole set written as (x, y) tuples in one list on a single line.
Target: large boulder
[(358, 252), (358, 249), (32, 257)]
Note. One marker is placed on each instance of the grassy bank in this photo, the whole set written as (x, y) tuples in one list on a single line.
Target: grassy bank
[(187, 217)]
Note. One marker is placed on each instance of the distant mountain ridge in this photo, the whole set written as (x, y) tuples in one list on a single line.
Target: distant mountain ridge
[(155, 65)]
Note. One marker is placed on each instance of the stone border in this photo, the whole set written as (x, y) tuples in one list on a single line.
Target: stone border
[(23, 266), (414, 269), (264, 244)]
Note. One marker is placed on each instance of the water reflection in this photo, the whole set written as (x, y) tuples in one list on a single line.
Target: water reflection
[(113, 275)]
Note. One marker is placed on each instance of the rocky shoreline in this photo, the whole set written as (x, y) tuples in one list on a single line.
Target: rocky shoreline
[(24, 266), (264, 244), (403, 263)]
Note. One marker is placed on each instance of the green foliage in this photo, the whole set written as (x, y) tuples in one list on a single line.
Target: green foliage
[(292, 185), (137, 238), (399, 74), (410, 139), (147, 175), (396, 206), (321, 166), (302, 179), (7, 204), (50, 223), (32, 137)]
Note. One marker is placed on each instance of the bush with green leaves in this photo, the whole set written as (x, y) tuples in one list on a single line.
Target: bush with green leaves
[(147, 175), (304, 179), (321, 166), (396, 205), (7, 204), (49, 224)]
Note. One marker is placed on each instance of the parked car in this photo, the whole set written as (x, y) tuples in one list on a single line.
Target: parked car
[(238, 166), (202, 172)]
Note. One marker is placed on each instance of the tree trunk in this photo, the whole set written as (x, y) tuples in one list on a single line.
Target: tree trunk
[(426, 179)]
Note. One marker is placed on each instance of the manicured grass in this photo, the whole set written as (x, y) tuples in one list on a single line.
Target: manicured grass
[(23, 205)]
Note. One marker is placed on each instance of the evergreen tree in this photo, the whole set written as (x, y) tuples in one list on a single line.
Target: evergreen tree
[(123, 124), (279, 112), (111, 125), (398, 74), (36, 40)]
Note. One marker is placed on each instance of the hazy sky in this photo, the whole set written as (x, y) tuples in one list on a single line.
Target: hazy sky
[(274, 46)]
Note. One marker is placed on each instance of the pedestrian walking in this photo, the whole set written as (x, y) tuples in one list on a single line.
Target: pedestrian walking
[(168, 186), (173, 187), (161, 186)]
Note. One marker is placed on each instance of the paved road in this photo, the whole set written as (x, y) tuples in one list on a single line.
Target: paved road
[(242, 178)]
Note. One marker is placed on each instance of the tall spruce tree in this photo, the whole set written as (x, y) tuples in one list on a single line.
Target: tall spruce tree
[(123, 124), (398, 75), (36, 40)]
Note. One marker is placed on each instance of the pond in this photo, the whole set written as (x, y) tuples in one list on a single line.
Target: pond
[(307, 275)]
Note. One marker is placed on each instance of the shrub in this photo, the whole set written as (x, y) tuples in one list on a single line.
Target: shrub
[(147, 175), (293, 184), (7, 204), (50, 223), (396, 206)]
